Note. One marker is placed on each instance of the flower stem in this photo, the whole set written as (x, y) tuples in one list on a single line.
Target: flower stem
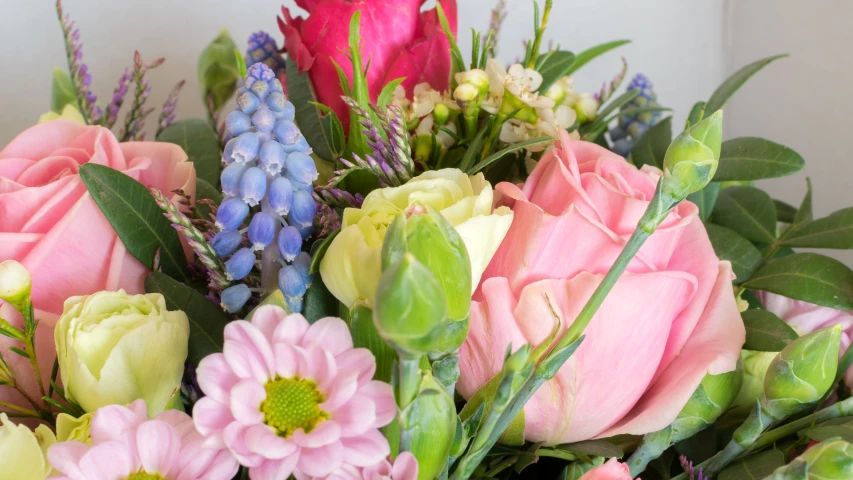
[(836, 410), (652, 447), (409, 382), (24, 411)]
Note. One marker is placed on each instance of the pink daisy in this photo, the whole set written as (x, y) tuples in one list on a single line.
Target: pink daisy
[(286, 397), (127, 445), (404, 468)]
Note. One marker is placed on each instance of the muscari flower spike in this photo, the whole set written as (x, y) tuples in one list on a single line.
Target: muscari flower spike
[(263, 49), (269, 209), (632, 127)]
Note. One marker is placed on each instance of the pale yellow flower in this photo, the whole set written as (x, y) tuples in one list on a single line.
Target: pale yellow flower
[(23, 452), (68, 113)]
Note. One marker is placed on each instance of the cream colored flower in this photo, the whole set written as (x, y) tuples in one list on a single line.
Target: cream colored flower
[(23, 453), (74, 428), (68, 113), (351, 266), (519, 82)]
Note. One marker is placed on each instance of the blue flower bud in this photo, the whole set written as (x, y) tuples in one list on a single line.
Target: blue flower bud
[(240, 264), (230, 178), (253, 186), (261, 230), (277, 102), (275, 86), (281, 195), (233, 298), (260, 89), (228, 151), (263, 119), (622, 147), (289, 112), (238, 123), (248, 102), (305, 231), (637, 129), (294, 304), (291, 282), (300, 146), (246, 147), (286, 132), (297, 185), (617, 133), (272, 157), (231, 213), (289, 243), (226, 242), (303, 265), (301, 168), (304, 208)]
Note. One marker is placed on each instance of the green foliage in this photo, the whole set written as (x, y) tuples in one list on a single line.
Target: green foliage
[(199, 141), (316, 128), (732, 84), (61, 91), (705, 199), (729, 245), (833, 231), (754, 467), (589, 54), (765, 332), (748, 211), (554, 66), (751, 158), (650, 148), (218, 71), (809, 277)]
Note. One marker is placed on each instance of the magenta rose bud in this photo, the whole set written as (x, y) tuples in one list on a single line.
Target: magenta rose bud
[(253, 186)]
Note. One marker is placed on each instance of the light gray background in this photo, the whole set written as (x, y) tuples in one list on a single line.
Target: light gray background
[(685, 47)]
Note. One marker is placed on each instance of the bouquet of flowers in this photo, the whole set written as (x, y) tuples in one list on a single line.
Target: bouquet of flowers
[(378, 257)]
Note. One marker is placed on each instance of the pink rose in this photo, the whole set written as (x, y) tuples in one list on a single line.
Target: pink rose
[(611, 470), (670, 319), (398, 40), (805, 317), (50, 223)]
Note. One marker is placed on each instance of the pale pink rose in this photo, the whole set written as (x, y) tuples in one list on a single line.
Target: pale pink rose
[(805, 317), (287, 398), (670, 319), (126, 442), (50, 223), (611, 470)]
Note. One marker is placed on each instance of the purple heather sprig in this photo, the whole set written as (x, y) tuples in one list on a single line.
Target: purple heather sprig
[(607, 91), (117, 99), (167, 114), (327, 220), (79, 72), (338, 198), (495, 23), (692, 474), (134, 121)]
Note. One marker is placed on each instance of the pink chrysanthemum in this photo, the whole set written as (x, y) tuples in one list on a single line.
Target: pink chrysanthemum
[(404, 468), (128, 446), (287, 397)]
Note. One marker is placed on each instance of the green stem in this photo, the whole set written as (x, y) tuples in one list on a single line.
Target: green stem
[(22, 410), (652, 447), (836, 410), (556, 453), (540, 32), (409, 382), (500, 467)]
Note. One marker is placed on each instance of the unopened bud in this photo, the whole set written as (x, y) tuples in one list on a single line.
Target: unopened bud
[(217, 70), (713, 396), (802, 373), (755, 365), (692, 158), (586, 108), (15, 284), (431, 420), (441, 114), (466, 95), (828, 460), (477, 78)]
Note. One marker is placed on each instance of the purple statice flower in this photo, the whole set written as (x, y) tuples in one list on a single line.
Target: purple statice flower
[(80, 77), (692, 473)]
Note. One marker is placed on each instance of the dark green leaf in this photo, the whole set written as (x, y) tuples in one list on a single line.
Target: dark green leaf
[(730, 246), (318, 250), (754, 467), (456, 54), (696, 113), (651, 146), (206, 191), (365, 335), (599, 448), (512, 148), (199, 141), (136, 218), (589, 54), (844, 430), (784, 212), (748, 211), (618, 102), (810, 277), (331, 120), (554, 67), (734, 82), (218, 71), (834, 231), (61, 91), (752, 158), (387, 93), (207, 321), (804, 213), (765, 332), (705, 199), (319, 301), (314, 127)]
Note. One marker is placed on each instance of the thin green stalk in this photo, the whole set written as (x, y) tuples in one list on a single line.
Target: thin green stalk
[(22, 410), (836, 410), (500, 467), (409, 382), (556, 453), (540, 32)]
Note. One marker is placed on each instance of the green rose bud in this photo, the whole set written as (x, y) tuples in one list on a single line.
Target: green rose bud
[(828, 460), (410, 309), (755, 366), (713, 396), (802, 373), (218, 71), (692, 158), (431, 422), (15, 284), (108, 343)]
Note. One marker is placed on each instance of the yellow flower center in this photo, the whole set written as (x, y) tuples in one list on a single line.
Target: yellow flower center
[(145, 476), (291, 404)]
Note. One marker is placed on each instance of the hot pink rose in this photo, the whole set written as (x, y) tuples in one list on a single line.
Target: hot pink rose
[(611, 470), (398, 39), (670, 319), (50, 223)]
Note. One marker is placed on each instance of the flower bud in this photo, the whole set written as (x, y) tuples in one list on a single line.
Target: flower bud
[(286, 132), (277, 103), (302, 264), (228, 151), (263, 119), (217, 69), (692, 158), (15, 284), (234, 297), (301, 168), (755, 365), (289, 112), (829, 460), (281, 195), (433, 241), (272, 157), (253, 186), (304, 208), (713, 397), (296, 184), (802, 373), (248, 102), (477, 78), (24, 451), (431, 418), (291, 282), (289, 243), (230, 178), (237, 123), (301, 145), (586, 108), (226, 242), (441, 114), (262, 230), (240, 264), (231, 213), (465, 94), (411, 309), (246, 147)]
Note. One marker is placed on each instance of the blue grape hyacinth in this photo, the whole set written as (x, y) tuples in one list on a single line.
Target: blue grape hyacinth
[(631, 127), (262, 48), (268, 208)]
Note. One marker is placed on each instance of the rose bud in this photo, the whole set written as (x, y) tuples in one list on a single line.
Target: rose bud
[(226, 242), (262, 230), (231, 213), (411, 309), (692, 158), (828, 460), (253, 186), (15, 284), (431, 418), (234, 297)]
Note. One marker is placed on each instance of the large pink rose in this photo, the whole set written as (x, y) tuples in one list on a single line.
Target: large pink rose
[(50, 223), (670, 319)]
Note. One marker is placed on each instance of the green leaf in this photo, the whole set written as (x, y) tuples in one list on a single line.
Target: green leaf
[(589, 54), (339, 139), (618, 102), (318, 250), (455, 53), (784, 212), (752, 158), (696, 113), (598, 448), (765, 332), (364, 335), (136, 218), (206, 191), (207, 321), (748, 211), (833, 231), (810, 277), (844, 430), (555, 67), (804, 213), (512, 148), (387, 93), (61, 91), (728, 88), (730, 246), (705, 199), (754, 467), (651, 146), (218, 71), (241, 63), (314, 127), (319, 301), (199, 141)]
